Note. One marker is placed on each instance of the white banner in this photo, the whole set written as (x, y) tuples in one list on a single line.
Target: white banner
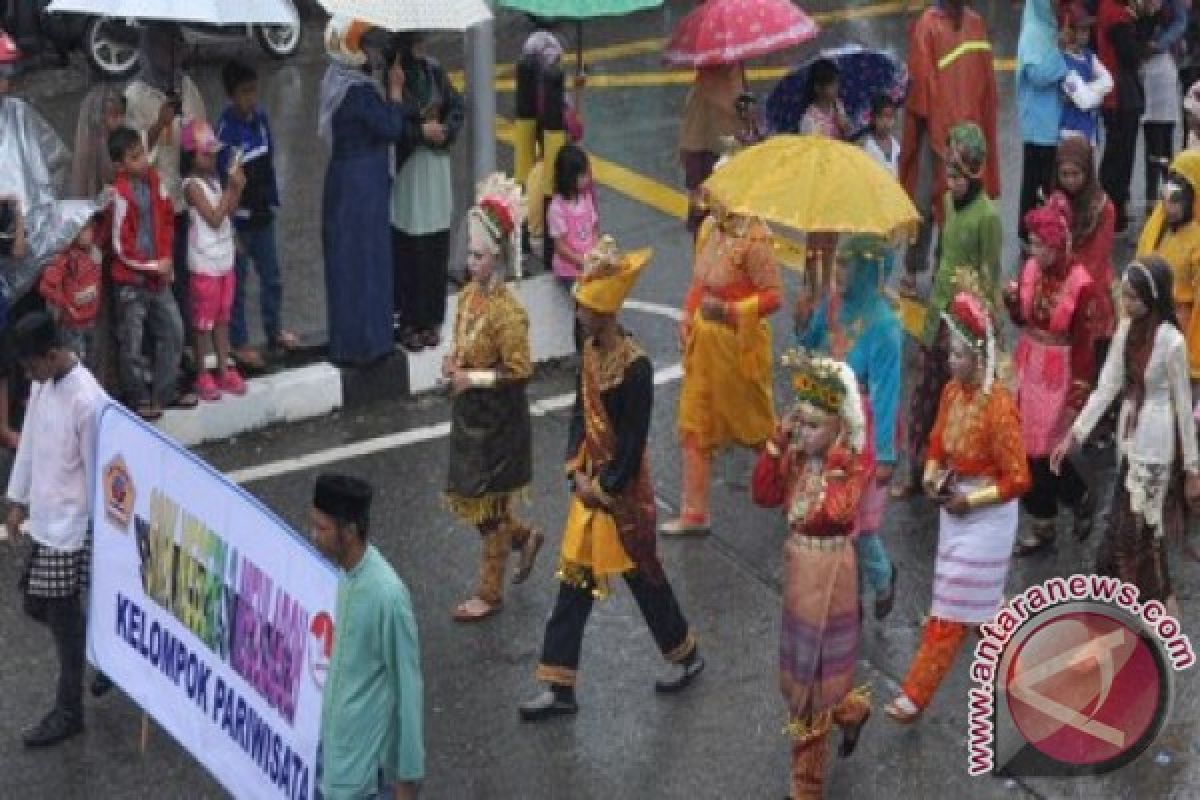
[(209, 611)]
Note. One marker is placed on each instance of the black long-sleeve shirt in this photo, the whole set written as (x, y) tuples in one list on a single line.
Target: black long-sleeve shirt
[(629, 406)]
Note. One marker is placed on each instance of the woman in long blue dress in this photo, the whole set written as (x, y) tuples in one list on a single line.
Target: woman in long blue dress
[(359, 124)]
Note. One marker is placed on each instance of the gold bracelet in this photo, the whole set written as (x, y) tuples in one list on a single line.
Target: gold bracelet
[(931, 471), (482, 378), (773, 449), (984, 496)]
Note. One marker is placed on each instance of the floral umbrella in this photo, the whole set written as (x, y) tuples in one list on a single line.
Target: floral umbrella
[(728, 31)]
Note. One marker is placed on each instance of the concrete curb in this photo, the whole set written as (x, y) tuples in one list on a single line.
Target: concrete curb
[(316, 389)]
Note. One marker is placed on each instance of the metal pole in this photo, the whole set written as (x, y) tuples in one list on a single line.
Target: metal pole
[(481, 98)]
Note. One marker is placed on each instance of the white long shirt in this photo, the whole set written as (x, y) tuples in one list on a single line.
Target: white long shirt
[(56, 460)]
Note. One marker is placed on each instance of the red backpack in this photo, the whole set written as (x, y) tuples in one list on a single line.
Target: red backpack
[(72, 284)]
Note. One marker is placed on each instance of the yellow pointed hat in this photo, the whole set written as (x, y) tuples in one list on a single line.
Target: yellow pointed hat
[(608, 275)]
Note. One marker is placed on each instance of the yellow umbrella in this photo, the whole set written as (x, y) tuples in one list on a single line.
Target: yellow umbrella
[(814, 184)]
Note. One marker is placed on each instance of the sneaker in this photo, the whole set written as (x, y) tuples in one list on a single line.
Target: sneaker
[(206, 387), (231, 382), (54, 728)]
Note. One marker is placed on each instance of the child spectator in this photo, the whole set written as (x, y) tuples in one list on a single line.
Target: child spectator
[(879, 141), (244, 128), (825, 115), (1087, 82), (1191, 117), (71, 287), (572, 220), (211, 253), (142, 272)]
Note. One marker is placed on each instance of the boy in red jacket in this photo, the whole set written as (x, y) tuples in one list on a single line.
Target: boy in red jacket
[(142, 272)]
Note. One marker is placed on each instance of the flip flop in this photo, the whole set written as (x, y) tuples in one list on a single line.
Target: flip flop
[(287, 341), (150, 413), (186, 400), (461, 614)]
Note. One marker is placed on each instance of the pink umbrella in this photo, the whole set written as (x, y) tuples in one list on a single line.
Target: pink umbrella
[(728, 31)]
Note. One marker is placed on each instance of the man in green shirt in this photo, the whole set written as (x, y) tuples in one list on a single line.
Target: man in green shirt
[(371, 713)]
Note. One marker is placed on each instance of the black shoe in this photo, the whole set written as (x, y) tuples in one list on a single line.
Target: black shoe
[(101, 685), (850, 736), (54, 728), (884, 601), (681, 678), (550, 703)]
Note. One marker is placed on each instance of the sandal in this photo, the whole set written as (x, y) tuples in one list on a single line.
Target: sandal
[(186, 400), (903, 710), (150, 413), (463, 612), (286, 341), (850, 735), (250, 360)]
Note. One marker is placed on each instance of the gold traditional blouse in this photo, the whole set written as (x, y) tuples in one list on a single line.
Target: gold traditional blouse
[(979, 435), (491, 331)]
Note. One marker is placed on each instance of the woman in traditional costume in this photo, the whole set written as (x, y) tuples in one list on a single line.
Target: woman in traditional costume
[(491, 451), (1156, 434), (725, 398), (1055, 363), (858, 325), (359, 124), (816, 467), (976, 470), (971, 243)]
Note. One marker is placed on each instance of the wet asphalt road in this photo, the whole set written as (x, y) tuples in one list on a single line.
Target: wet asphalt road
[(722, 739)]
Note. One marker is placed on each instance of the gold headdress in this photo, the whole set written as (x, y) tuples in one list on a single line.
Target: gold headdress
[(608, 275), (497, 216)]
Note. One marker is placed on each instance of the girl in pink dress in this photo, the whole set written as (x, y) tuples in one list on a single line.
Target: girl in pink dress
[(572, 220)]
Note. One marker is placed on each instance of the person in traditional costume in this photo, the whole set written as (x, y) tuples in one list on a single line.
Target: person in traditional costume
[(816, 467), (359, 124), (726, 338), (487, 369), (710, 113), (609, 530), (971, 243), (976, 470), (1173, 232), (1156, 434), (1055, 362), (952, 80), (859, 326)]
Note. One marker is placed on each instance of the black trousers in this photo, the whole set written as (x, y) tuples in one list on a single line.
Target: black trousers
[(1037, 176), (1160, 146), (1048, 490), (64, 617), (420, 265), (564, 630), (1120, 146)]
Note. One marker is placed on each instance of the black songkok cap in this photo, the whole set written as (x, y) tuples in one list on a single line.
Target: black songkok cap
[(342, 497), (35, 334)]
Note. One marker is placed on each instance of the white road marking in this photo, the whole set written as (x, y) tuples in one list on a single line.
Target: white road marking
[(393, 441)]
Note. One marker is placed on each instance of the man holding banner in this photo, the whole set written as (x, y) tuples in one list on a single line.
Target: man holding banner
[(371, 716), (51, 486)]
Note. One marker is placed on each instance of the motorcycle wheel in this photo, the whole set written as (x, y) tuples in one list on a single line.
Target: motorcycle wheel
[(111, 47), (279, 41)]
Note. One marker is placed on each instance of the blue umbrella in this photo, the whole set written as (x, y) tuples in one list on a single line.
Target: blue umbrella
[(865, 73)]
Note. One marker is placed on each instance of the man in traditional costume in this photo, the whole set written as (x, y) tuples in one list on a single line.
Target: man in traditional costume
[(972, 238), (491, 450), (1056, 367), (858, 325), (952, 80), (725, 398), (976, 470), (610, 524), (816, 467)]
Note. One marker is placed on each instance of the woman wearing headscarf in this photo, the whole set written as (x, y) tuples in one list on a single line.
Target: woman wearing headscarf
[(1040, 72), (1147, 369), (710, 115), (159, 101), (1055, 364), (422, 195), (487, 368), (1161, 25), (1173, 233), (858, 325), (971, 242), (359, 124)]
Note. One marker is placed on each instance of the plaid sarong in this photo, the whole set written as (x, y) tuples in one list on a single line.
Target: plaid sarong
[(58, 573)]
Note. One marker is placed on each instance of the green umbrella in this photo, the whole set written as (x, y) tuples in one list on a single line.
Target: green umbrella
[(579, 10)]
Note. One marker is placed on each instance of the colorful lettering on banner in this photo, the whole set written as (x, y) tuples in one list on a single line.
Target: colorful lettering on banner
[(221, 600)]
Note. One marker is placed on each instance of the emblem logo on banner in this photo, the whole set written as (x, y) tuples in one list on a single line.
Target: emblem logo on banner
[(119, 493)]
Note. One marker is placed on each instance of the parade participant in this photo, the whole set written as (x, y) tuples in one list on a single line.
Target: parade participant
[(1173, 233), (710, 113), (861, 328), (726, 338), (422, 194), (1093, 221), (51, 486), (953, 80), (1041, 69), (1055, 364), (1147, 369), (610, 524), (971, 243), (976, 471), (372, 739), (816, 468), (487, 368), (359, 124)]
